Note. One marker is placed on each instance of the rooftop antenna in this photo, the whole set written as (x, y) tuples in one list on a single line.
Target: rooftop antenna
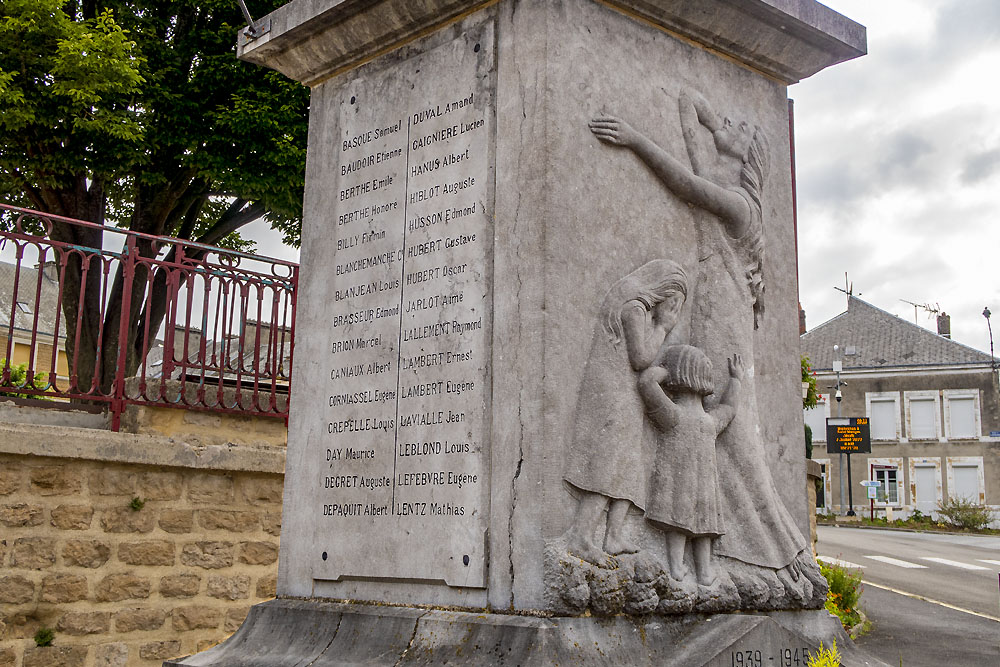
[(931, 309), (848, 289), (253, 29)]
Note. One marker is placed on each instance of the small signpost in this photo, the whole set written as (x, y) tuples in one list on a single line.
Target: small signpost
[(848, 435), (872, 487)]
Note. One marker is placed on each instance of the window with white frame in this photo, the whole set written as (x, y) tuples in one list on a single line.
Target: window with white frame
[(966, 479), (888, 488), (961, 413), (823, 486), (883, 414), (815, 418), (922, 410)]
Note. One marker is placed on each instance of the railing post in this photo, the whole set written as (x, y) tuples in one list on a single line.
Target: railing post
[(118, 391)]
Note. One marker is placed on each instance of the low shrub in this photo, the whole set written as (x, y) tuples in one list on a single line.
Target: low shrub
[(965, 514), (825, 657), (19, 380), (845, 593), (44, 637)]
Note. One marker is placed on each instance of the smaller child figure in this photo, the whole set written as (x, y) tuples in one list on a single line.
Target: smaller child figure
[(683, 495)]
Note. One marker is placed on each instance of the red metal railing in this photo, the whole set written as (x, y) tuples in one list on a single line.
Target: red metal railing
[(177, 323)]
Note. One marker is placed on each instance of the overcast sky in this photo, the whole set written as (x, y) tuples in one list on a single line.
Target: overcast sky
[(898, 157)]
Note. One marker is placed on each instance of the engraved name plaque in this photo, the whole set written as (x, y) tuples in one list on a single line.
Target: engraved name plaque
[(403, 468)]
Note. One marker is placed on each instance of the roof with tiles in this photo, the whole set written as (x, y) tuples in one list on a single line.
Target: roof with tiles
[(872, 338), (23, 309)]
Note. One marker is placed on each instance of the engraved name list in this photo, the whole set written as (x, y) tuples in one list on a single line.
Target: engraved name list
[(405, 419)]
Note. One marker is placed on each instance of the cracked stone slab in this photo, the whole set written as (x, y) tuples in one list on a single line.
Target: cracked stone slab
[(325, 633)]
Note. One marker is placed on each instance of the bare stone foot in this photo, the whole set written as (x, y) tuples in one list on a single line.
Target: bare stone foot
[(679, 572), (616, 546), (591, 553), (708, 579)]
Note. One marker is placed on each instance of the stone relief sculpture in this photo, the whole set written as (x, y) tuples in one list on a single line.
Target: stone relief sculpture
[(684, 484), (636, 316), (746, 549), (726, 178)]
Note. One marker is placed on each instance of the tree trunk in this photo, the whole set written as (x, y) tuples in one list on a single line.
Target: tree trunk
[(93, 302), (81, 274)]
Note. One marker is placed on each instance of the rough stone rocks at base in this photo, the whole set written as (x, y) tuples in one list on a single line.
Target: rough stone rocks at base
[(641, 585)]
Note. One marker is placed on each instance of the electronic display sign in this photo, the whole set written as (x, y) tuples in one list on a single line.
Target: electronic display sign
[(848, 435)]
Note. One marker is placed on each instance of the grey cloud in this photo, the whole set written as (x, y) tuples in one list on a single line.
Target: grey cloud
[(841, 166), (899, 66), (862, 162), (967, 24), (981, 166), (942, 212)]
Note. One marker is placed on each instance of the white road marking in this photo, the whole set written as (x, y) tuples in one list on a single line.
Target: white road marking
[(991, 562), (841, 563), (932, 601), (953, 563), (897, 562)]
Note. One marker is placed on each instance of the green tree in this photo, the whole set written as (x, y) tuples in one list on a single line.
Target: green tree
[(811, 399), (136, 113)]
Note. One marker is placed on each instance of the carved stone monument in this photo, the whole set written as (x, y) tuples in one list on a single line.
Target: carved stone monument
[(546, 403)]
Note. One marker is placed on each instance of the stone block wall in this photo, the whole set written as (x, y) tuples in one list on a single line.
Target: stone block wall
[(131, 548)]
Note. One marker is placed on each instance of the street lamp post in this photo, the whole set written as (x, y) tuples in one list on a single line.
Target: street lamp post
[(838, 366), (986, 314)]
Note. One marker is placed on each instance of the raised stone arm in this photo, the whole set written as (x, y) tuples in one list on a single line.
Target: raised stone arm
[(726, 410), (729, 206), (694, 107), (696, 113)]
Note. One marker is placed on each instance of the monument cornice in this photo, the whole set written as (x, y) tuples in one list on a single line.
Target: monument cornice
[(312, 40)]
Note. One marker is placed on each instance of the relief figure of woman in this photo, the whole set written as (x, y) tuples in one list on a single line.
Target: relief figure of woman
[(605, 462), (725, 183)]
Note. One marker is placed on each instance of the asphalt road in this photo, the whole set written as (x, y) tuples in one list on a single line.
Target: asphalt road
[(914, 633), (962, 570), (935, 582)]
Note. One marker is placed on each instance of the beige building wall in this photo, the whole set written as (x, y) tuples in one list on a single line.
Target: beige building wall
[(939, 455), (122, 584)]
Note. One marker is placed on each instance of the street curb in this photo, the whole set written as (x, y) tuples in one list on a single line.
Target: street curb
[(903, 530)]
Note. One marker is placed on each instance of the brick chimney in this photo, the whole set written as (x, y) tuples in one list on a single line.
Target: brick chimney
[(193, 344), (944, 324), (50, 269), (802, 320)]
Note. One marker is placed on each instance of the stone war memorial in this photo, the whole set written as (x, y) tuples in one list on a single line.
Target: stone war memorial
[(547, 404)]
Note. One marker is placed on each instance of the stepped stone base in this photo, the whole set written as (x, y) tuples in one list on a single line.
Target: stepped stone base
[(298, 632)]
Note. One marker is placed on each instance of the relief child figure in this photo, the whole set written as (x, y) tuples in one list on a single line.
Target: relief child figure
[(683, 495), (605, 461)]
